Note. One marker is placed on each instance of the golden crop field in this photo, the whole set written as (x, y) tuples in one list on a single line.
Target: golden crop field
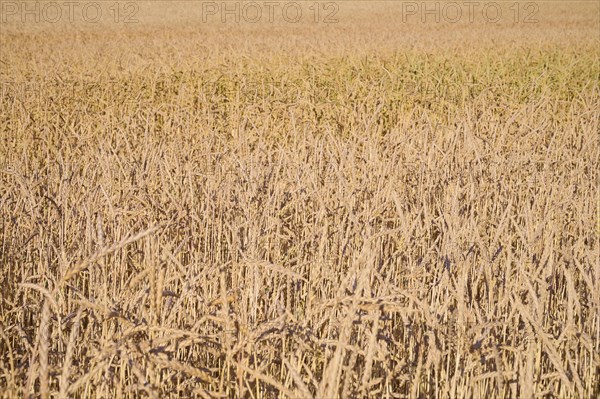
[(324, 199)]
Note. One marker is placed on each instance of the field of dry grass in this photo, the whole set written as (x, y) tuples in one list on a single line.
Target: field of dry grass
[(373, 207)]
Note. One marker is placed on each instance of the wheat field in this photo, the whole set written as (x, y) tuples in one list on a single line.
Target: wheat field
[(372, 205)]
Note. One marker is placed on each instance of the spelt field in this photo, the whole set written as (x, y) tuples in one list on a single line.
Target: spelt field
[(372, 206)]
